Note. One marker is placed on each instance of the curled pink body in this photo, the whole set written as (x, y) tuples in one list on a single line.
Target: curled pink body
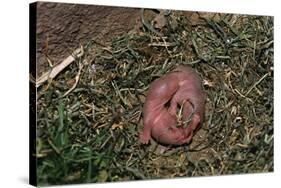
[(182, 86)]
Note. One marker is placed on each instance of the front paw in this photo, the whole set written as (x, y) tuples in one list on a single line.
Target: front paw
[(144, 139), (184, 139)]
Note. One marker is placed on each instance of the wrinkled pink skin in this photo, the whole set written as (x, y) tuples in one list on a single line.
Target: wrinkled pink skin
[(160, 107)]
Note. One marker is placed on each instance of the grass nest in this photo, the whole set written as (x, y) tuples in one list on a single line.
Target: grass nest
[(91, 133)]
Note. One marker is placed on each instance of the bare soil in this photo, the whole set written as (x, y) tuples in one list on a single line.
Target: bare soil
[(61, 28)]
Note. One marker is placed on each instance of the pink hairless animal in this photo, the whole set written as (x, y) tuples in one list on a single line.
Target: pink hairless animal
[(181, 87)]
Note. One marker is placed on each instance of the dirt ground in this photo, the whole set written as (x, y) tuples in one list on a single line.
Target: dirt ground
[(61, 28)]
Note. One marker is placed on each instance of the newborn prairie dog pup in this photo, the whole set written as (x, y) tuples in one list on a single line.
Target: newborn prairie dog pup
[(174, 107)]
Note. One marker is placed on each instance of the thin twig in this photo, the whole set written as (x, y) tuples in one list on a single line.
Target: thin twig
[(77, 77), (50, 74), (259, 81)]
